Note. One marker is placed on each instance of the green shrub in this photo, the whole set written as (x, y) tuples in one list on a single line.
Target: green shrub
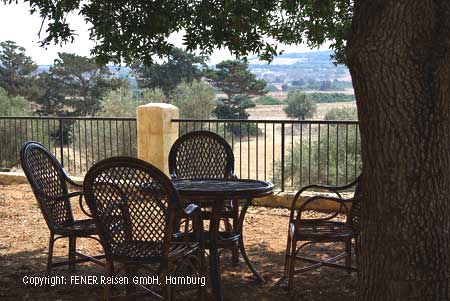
[(334, 159), (12, 132), (271, 88), (299, 105), (194, 100), (122, 103), (345, 113), (98, 139), (268, 100), (331, 97)]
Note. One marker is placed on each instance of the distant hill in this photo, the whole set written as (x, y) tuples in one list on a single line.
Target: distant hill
[(287, 68), (292, 67)]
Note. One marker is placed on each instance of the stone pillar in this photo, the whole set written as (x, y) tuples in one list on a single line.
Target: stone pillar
[(156, 133)]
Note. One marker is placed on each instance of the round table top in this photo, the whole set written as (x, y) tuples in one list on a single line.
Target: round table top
[(222, 188)]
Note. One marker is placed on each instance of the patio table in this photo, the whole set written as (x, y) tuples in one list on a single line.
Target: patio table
[(212, 193)]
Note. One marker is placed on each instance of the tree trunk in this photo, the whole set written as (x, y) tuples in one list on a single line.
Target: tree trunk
[(399, 58)]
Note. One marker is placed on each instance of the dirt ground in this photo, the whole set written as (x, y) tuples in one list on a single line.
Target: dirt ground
[(23, 252)]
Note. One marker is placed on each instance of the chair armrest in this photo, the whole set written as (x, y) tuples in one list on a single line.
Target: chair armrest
[(330, 188), (343, 204), (303, 189), (65, 197), (59, 197), (80, 202)]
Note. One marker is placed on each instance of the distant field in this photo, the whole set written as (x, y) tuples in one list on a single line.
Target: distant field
[(276, 112)]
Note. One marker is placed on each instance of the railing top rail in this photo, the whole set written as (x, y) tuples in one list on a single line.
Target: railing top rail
[(67, 118), (281, 121)]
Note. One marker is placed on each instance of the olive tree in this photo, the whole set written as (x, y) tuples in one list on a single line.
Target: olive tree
[(194, 100)]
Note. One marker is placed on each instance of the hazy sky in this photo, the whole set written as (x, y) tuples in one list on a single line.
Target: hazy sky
[(18, 25)]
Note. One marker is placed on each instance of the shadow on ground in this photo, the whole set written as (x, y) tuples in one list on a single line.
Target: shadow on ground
[(23, 253)]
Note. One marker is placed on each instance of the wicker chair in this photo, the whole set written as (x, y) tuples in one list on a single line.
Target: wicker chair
[(204, 154), (323, 230), (135, 208), (49, 184)]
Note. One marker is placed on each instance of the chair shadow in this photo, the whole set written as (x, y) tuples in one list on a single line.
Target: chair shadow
[(20, 269), (320, 284), (238, 281)]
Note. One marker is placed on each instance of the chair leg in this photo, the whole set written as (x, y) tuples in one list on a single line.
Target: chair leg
[(234, 249), (130, 288), (168, 293), (72, 256), (202, 272), (292, 264), (51, 242), (167, 290), (348, 250), (287, 256)]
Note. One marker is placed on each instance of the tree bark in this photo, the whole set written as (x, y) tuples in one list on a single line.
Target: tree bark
[(398, 53)]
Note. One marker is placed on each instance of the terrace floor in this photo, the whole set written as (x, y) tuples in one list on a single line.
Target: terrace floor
[(23, 252)]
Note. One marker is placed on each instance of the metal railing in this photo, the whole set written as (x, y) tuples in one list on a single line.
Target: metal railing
[(78, 142), (287, 152), (290, 153)]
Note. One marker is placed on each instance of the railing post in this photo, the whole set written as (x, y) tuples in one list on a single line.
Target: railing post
[(61, 145), (156, 133), (282, 156)]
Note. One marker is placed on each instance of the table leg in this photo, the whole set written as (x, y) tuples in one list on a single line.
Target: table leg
[(213, 253), (235, 250), (241, 240)]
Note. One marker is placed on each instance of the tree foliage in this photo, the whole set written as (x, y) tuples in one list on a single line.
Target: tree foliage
[(13, 105), (194, 100), (119, 103), (12, 133), (127, 31), (233, 78), (180, 66), (16, 70), (83, 82), (51, 97), (152, 95), (299, 105)]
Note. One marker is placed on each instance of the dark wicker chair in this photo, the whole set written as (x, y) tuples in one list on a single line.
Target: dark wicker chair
[(49, 183), (204, 154), (324, 230), (135, 208)]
